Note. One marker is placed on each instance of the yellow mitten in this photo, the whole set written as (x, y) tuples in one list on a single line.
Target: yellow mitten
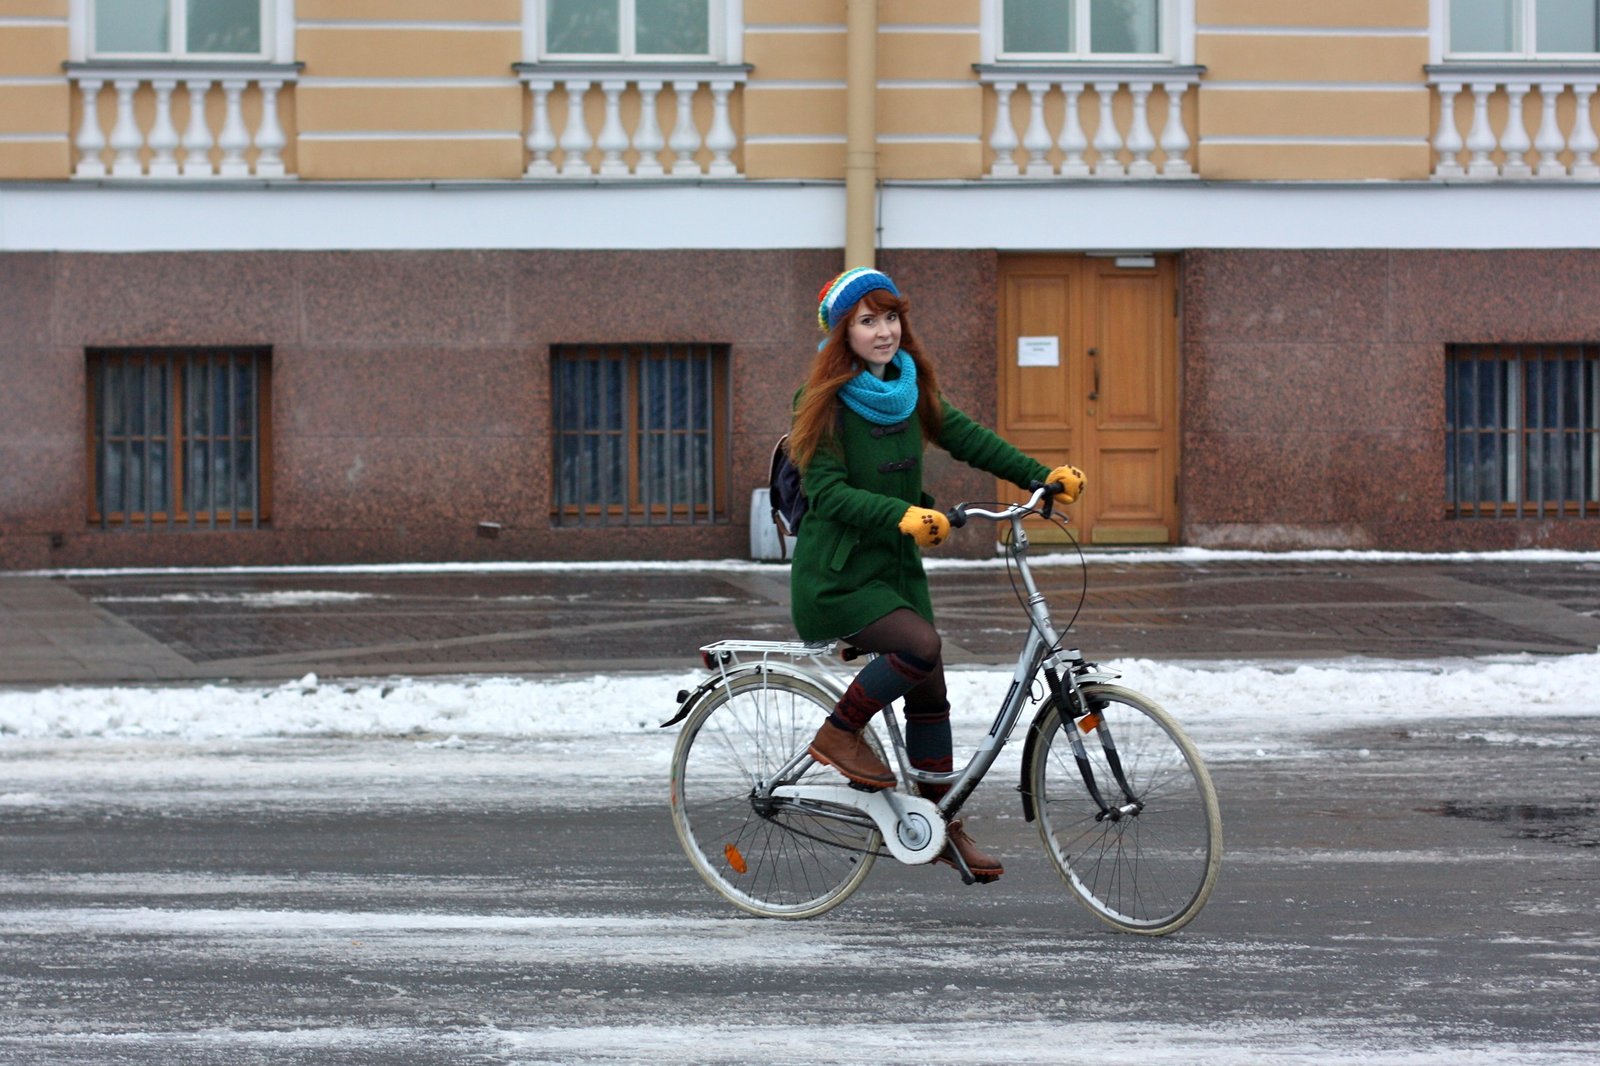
[(927, 528), (1071, 479)]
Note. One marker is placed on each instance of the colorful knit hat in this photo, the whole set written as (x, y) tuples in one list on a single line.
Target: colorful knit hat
[(842, 293)]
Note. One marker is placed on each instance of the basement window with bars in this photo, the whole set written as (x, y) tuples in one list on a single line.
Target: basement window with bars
[(1522, 437), (640, 433), (179, 438)]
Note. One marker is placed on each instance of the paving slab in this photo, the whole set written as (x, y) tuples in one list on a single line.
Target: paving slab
[(260, 625)]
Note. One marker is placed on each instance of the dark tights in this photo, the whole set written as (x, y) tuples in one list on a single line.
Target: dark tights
[(908, 666)]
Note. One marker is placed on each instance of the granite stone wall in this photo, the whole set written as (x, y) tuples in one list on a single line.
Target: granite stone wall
[(410, 397), (1313, 410)]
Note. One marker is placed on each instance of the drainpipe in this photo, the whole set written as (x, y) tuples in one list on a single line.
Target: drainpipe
[(861, 134)]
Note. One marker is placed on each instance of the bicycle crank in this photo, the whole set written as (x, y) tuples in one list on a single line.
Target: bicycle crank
[(912, 828)]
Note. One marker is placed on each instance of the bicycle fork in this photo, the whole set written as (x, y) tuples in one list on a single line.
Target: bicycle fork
[(1076, 718)]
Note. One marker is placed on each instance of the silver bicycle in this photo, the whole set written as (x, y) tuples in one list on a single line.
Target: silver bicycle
[(1123, 801)]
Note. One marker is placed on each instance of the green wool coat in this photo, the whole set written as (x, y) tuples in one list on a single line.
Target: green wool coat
[(852, 565)]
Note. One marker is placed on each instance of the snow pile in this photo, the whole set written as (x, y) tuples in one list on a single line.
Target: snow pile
[(1235, 699)]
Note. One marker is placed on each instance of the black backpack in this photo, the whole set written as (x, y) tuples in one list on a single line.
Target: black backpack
[(787, 497)]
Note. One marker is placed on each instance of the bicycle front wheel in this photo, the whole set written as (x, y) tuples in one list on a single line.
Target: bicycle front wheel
[(775, 858), (1149, 866)]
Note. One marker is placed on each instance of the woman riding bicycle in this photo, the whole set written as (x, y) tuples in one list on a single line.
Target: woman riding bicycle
[(869, 406)]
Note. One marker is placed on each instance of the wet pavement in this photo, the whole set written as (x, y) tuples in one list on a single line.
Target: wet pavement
[(184, 626)]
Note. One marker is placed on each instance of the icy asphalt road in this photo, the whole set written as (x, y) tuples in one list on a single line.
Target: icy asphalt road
[(1417, 891)]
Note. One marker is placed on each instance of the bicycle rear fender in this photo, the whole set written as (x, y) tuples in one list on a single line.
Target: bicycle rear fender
[(688, 701)]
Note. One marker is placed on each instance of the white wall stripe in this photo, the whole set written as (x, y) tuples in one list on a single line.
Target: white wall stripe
[(795, 138), (25, 20), (929, 83), (929, 138), (1244, 139), (407, 83), (794, 83), (32, 138), (410, 135), (1313, 31), (742, 214), (913, 27), (34, 79), (408, 24), (794, 27), (1315, 86)]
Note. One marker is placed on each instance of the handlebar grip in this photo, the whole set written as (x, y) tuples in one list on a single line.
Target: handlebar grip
[(957, 516)]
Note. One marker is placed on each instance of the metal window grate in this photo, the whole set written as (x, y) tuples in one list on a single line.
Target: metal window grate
[(640, 433), (178, 437), (1522, 436)]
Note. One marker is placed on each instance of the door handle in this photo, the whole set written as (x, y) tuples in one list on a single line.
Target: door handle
[(1094, 393)]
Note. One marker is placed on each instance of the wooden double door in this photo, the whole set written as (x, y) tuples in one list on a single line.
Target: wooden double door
[(1088, 375)]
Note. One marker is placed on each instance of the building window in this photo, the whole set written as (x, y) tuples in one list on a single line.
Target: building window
[(630, 29), (1524, 29), (179, 29), (180, 436), (1085, 29), (1522, 436), (640, 433)]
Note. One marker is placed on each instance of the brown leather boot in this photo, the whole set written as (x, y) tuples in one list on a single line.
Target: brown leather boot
[(984, 867), (847, 753)]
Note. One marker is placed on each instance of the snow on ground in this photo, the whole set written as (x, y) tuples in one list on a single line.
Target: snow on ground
[(383, 740)]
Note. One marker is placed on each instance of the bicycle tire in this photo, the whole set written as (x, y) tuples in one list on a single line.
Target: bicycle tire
[(777, 862), (1147, 873)]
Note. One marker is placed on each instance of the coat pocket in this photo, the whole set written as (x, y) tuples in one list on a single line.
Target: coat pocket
[(842, 550)]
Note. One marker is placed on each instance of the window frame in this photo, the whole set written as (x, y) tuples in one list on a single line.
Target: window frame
[(277, 37), (725, 38), (1177, 28), (1529, 53), (639, 505), (181, 513), (1520, 486)]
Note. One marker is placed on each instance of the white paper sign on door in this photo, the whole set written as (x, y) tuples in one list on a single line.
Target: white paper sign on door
[(1038, 351)]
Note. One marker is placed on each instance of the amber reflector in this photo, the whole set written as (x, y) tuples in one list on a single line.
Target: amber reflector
[(735, 860)]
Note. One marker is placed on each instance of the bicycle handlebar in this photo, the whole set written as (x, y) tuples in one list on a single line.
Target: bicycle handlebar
[(959, 514)]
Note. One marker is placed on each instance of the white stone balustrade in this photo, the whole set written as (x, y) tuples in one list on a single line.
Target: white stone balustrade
[(144, 139), (1502, 140), (633, 131), (1124, 144)]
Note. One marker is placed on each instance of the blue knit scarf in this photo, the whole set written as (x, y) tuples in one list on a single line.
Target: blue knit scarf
[(884, 401)]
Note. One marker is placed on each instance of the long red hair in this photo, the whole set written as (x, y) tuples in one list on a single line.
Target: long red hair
[(836, 364)]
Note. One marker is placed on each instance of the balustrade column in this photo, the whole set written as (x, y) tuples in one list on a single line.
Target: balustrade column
[(197, 134), (541, 141), (613, 140), (1003, 140), (1107, 140), (1074, 143), (685, 139), (1583, 141), (721, 139), (90, 141), (1141, 142), (1515, 142), (1447, 142), (234, 140), (575, 141), (1174, 138), (1480, 139), (1548, 141), (163, 139), (126, 139), (270, 138), (1037, 138), (647, 140)]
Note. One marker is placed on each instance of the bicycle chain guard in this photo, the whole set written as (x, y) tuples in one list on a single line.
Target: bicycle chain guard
[(912, 827)]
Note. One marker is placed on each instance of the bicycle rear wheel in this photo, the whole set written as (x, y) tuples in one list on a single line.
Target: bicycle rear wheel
[(1152, 869), (775, 858)]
